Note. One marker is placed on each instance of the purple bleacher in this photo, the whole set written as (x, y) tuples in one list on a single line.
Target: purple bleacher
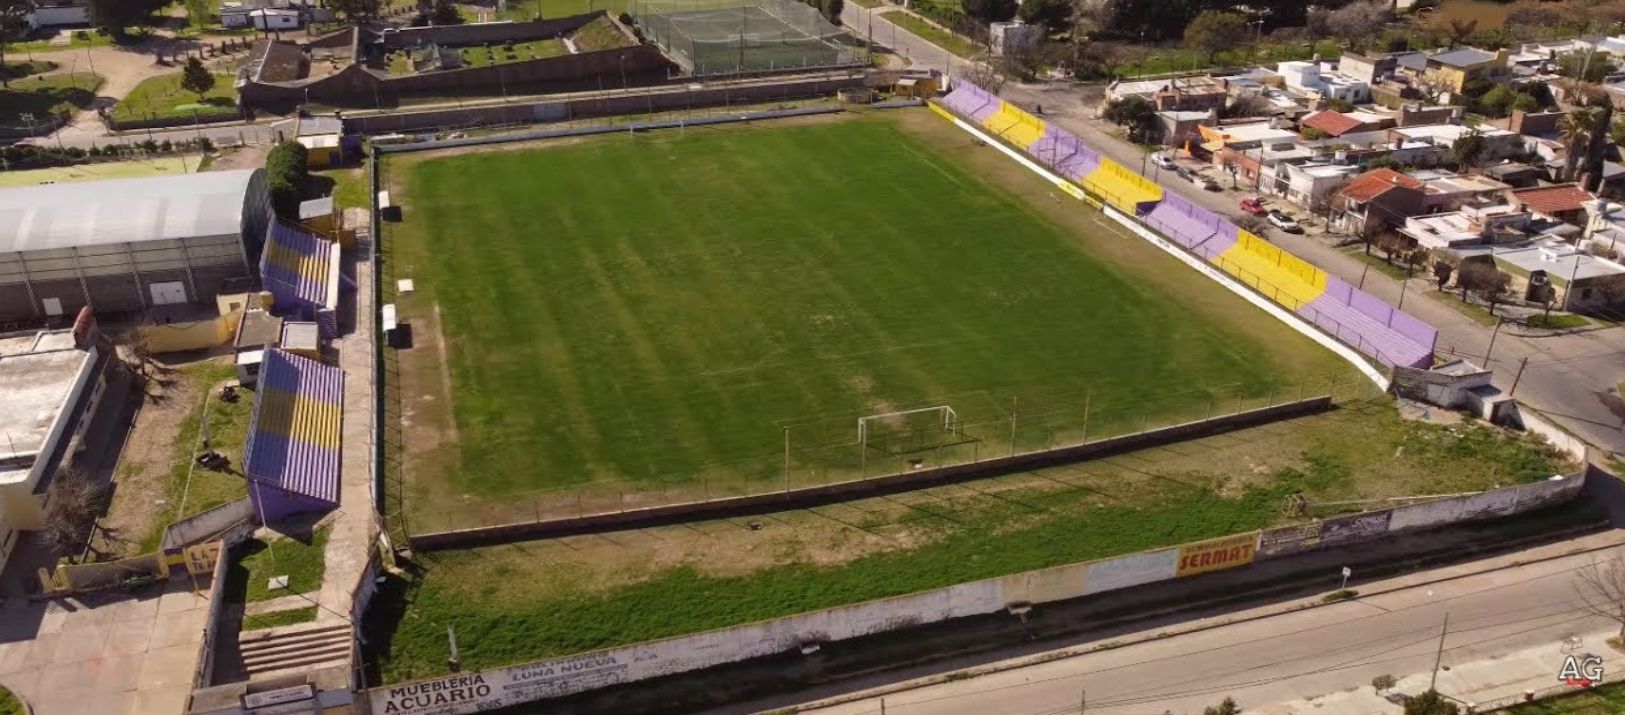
[(1412, 327), (971, 101), (1338, 289), (1081, 162), (1178, 225), (1221, 241), (1364, 333), (1047, 150), (1372, 306)]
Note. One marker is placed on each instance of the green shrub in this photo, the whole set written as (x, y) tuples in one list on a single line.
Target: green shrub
[(286, 168)]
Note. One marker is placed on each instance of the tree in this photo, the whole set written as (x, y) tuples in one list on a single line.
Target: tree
[(72, 503), (196, 78), (1385, 162), (1484, 280), (1358, 22), (1460, 30), (13, 25), (1054, 15), (987, 75), (831, 10), (1098, 59), (285, 172), (1256, 225), (1597, 148), (356, 10), (1383, 683), (445, 13), (1247, 105), (1136, 114), (1214, 30), (1575, 65), (1313, 133), (1468, 148), (118, 16), (1574, 131), (1430, 703), (197, 13), (1225, 707), (989, 10)]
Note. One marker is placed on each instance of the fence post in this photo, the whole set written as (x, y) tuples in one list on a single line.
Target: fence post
[(1015, 409), (1087, 398)]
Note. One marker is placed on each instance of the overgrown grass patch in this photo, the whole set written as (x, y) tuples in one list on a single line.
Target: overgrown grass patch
[(1560, 321), (1609, 699), (535, 600), (600, 34), (949, 41), (189, 488), (277, 619), (301, 561)]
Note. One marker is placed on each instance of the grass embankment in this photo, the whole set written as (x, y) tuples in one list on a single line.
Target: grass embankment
[(43, 96), (1560, 321), (162, 97), (516, 52), (1608, 699), (1167, 60), (658, 339), (534, 600), (189, 489), (600, 34), (949, 41)]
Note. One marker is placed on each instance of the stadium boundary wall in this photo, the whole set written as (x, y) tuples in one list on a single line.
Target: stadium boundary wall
[(490, 689), (1234, 286)]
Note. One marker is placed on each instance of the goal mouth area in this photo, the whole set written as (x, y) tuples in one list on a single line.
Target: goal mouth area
[(907, 432)]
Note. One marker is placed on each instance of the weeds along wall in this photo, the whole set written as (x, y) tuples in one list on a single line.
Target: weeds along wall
[(558, 677), (1357, 319)]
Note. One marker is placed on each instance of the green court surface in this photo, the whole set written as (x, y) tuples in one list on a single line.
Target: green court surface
[(662, 309), (164, 166)]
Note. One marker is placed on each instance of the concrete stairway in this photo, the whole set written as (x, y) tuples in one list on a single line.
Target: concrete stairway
[(302, 648)]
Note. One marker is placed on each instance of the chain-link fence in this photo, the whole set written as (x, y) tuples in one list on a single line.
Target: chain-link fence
[(829, 449), (719, 37)]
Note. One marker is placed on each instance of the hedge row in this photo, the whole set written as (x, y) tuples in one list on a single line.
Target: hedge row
[(286, 168)]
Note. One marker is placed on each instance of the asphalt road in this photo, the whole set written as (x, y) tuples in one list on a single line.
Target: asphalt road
[(1504, 627)]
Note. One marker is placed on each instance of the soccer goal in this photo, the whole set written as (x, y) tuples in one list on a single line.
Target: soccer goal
[(909, 431)]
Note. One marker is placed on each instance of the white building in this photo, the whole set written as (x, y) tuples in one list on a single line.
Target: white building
[(275, 19), (1012, 38), (53, 382), (58, 14), (1309, 78), (1311, 185)]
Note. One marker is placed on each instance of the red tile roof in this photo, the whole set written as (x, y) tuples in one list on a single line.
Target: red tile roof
[(1333, 123), (1552, 199), (1372, 184)]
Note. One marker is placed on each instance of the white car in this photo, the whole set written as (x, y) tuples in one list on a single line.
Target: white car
[(1284, 222), (1163, 161)]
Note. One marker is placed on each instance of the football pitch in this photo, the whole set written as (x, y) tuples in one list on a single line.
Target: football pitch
[(721, 305)]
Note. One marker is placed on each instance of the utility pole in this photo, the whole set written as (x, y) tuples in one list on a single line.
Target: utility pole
[(1518, 377), (1499, 319), (1438, 656), (1083, 701)]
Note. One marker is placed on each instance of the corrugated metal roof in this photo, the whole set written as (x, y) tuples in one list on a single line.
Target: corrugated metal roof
[(296, 266), (294, 441), (122, 210)]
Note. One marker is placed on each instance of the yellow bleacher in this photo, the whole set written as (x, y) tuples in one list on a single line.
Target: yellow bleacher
[(300, 417), (1016, 126), (1274, 272), (1120, 187), (312, 266)]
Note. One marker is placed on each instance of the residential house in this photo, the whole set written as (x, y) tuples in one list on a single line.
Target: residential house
[(1180, 129), (269, 19), (1451, 70), (1578, 282), (1445, 190), (1515, 174), (1436, 142), (1312, 79), (1604, 229), (1564, 202), (1310, 185), (1472, 225), (1186, 94), (1369, 69), (1243, 150), (1374, 200), (1338, 124)]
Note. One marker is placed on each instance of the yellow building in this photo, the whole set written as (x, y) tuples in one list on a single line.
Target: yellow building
[(1451, 70)]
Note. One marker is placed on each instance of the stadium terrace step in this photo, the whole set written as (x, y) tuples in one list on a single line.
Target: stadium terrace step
[(303, 647), (1363, 332)]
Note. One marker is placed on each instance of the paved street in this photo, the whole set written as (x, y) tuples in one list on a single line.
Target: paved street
[(1568, 377), (1508, 631)]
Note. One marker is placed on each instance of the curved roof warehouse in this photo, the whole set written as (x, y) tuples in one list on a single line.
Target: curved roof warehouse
[(128, 244)]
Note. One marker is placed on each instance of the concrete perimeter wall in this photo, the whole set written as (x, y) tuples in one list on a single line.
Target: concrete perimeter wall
[(653, 100), (558, 677), (863, 488), (198, 527)]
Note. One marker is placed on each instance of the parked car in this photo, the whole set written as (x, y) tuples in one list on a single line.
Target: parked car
[(1254, 206), (1163, 160), (1203, 180), (1284, 222)]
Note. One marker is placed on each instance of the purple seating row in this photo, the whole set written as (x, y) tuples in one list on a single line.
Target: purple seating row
[(1357, 318)]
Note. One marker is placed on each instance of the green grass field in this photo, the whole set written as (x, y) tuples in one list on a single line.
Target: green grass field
[(163, 97), (45, 95), (541, 599), (189, 489), (949, 41), (1606, 700), (158, 166), (713, 289), (301, 561)]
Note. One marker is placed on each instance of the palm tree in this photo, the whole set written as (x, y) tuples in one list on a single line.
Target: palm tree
[(1574, 130)]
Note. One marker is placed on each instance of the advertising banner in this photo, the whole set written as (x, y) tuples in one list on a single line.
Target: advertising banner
[(1217, 554), (1285, 540), (1354, 527)]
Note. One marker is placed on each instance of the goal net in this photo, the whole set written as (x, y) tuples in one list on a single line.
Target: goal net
[(913, 431), (719, 37)]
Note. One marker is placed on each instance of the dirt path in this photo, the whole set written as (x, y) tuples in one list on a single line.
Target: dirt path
[(138, 496)]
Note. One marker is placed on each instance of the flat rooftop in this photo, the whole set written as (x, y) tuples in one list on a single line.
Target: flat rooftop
[(37, 385)]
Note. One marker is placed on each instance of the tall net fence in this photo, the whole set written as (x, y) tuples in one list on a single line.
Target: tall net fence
[(719, 37)]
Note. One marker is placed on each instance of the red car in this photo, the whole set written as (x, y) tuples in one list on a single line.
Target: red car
[(1254, 206)]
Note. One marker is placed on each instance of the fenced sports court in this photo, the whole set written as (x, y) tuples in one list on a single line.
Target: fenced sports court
[(720, 37)]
